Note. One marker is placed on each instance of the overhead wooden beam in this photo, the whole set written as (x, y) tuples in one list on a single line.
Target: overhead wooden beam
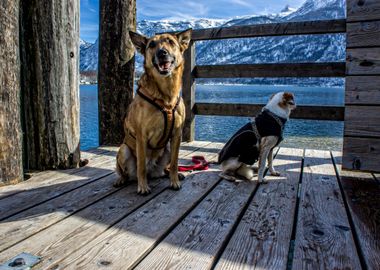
[(10, 125), (333, 113), (335, 69), (274, 29), (50, 82), (116, 67)]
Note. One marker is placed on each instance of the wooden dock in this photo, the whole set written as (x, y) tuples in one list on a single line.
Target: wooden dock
[(311, 217)]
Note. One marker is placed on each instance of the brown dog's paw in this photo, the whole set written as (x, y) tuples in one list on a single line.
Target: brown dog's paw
[(175, 185), (275, 173), (143, 190), (120, 182)]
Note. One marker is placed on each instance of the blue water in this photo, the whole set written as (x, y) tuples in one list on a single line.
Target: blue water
[(298, 133)]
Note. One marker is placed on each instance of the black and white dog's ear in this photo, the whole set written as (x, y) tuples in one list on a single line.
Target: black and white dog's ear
[(184, 39), (139, 41)]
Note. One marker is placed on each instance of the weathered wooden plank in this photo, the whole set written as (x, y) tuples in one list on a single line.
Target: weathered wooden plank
[(11, 170), (362, 10), (33, 220), (188, 93), (363, 34), (116, 67), (362, 193), (50, 74), (362, 121), (362, 90), (363, 61), (195, 242), (34, 196), (262, 238), (63, 238), (335, 69), (335, 113), (272, 29), (361, 154), (323, 237), (123, 245)]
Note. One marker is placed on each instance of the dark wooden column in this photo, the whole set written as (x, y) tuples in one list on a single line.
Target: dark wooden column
[(116, 67), (10, 125), (50, 82), (361, 147), (188, 93)]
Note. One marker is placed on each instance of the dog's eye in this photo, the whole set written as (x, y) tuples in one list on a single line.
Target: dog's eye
[(171, 42), (152, 44)]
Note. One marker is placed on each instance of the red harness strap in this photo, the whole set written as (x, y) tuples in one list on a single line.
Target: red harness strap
[(200, 164)]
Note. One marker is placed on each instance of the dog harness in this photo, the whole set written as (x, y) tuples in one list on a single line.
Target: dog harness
[(168, 112), (244, 144)]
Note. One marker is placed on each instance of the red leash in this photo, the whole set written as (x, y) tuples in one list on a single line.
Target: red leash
[(200, 164)]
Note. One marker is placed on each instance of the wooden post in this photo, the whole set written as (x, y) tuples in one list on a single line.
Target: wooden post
[(116, 67), (10, 126), (361, 146), (50, 82), (188, 93)]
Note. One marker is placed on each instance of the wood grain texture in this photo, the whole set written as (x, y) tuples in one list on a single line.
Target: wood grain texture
[(34, 196), (261, 241), (50, 83), (323, 237), (361, 154), (116, 67), (128, 241), (11, 170), (363, 61), (188, 93), (271, 29), (362, 10), (195, 242), (33, 220), (74, 232), (362, 193), (335, 69), (363, 34), (362, 121), (335, 113), (362, 90)]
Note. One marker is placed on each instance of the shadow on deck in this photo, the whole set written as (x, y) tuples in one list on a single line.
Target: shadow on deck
[(312, 216)]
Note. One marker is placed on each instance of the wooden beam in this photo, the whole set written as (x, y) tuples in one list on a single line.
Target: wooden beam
[(188, 93), (363, 121), (361, 154), (333, 113), (363, 10), (361, 90), (10, 123), (363, 34), (274, 29), (50, 83), (116, 68), (363, 61), (336, 69)]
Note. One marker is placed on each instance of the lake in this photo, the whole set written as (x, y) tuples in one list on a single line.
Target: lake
[(298, 133)]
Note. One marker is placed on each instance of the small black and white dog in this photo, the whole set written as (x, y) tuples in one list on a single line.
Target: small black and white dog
[(256, 140)]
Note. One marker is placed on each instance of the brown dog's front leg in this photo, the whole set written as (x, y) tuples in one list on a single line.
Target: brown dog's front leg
[(174, 150), (142, 183)]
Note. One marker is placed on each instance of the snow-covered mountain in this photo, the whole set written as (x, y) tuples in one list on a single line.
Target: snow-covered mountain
[(307, 48)]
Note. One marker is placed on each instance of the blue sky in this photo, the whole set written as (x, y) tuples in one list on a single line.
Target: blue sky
[(182, 9)]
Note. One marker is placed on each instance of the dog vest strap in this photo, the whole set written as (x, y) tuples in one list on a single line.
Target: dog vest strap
[(254, 129), (169, 116)]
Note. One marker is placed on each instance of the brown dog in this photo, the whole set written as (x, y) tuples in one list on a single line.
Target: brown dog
[(153, 126)]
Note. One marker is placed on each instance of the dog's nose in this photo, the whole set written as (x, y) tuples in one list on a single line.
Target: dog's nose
[(162, 53)]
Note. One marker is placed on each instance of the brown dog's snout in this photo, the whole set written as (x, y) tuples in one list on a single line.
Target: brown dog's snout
[(162, 53)]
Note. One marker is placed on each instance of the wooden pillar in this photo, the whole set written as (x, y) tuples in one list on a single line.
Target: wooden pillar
[(116, 67), (10, 126), (361, 147), (188, 93), (50, 82)]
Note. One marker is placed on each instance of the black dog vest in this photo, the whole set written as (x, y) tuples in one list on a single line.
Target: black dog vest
[(243, 144)]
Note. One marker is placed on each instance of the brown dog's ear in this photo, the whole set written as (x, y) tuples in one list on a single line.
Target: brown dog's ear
[(139, 41), (184, 38)]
